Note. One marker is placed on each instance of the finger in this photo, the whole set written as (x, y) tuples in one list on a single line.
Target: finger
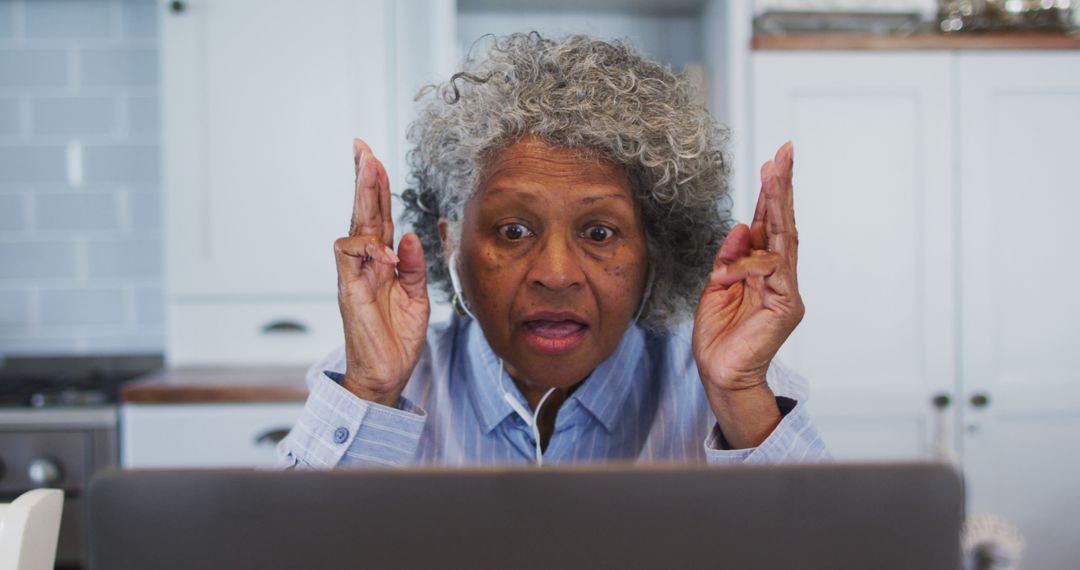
[(783, 281), (736, 245), (367, 215), (779, 216), (785, 172), (757, 228), (761, 265), (384, 206), (412, 270), (350, 253)]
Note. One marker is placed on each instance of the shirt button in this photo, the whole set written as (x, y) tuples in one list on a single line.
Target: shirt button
[(341, 434)]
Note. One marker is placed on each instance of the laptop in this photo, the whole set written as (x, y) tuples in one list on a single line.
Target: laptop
[(831, 516)]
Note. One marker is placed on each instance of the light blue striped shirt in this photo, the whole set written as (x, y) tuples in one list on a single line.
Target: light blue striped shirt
[(644, 404)]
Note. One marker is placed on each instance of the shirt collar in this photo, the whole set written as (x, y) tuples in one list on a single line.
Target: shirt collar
[(603, 394), (482, 378), (605, 391)]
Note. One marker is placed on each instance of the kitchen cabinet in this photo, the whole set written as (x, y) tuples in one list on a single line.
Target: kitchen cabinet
[(209, 435), (1019, 115), (934, 195), (874, 204), (209, 417), (261, 102)]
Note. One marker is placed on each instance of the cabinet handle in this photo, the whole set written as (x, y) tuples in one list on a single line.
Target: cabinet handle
[(980, 400), (272, 436), (44, 472), (941, 447), (278, 327), (177, 7)]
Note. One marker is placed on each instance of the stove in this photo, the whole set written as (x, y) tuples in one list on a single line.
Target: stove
[(58, 423)]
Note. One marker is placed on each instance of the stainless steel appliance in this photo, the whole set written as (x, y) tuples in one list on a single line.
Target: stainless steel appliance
[(58, 424)]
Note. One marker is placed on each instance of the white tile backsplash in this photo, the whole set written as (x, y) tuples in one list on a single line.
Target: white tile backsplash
[(80, 264)]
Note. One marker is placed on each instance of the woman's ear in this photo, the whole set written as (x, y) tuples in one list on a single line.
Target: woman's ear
[(444, 230)]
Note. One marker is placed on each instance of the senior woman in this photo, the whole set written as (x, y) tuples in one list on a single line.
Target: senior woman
[(568, 199)]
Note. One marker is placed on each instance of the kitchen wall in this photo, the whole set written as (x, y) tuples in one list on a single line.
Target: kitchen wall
[(675, 39), (80, 190)]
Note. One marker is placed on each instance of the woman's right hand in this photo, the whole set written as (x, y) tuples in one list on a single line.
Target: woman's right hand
[(383, 297)]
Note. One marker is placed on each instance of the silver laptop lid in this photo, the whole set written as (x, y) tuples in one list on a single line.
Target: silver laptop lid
[(748, 518)]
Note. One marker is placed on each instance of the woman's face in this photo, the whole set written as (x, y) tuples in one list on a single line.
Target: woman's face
[(553, 261)]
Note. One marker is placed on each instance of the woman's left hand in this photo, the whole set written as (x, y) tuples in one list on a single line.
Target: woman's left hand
[(749, 307)]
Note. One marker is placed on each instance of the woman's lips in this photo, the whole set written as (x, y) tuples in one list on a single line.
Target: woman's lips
[(554, 336)]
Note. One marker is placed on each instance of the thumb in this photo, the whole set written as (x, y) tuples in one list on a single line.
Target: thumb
[(412, 270), (736, 246)]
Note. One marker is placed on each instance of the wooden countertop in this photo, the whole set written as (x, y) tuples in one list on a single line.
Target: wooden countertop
[(916, 42), (217, 385)]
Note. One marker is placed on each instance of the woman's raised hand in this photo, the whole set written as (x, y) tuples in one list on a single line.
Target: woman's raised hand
[(382, 296), (751, 303)]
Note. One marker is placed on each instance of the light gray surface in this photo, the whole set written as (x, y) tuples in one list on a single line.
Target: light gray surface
[(33, 68), (122, 164), (9, 116), (6, 20), (40, 260), (675, 39), (97, 306), (12, 208), (631, 6), (67, 19), (31, 164), (55, 418), (125, 258), (13, 309), (826, 516), (120, 66), (67, 212), (80, 74), (94, 115)]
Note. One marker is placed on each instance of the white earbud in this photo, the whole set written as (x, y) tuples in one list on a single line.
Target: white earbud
[(518, 408), (455, 282), (523, 413), (645, 297)]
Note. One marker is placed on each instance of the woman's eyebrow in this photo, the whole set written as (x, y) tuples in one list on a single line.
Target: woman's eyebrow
[(527, 196), (586, 200), (515, 193)]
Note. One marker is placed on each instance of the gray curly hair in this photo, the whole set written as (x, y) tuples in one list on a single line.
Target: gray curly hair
[(604, 99)]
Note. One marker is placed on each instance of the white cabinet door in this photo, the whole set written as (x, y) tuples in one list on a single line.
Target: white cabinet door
[(261, 102), (874, 206), (173, 436), (1019, 151)]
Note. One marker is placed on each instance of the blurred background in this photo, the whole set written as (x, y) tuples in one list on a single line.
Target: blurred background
[(173, 174)]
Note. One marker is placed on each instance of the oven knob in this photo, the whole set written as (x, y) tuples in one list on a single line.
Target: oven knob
[(44, 472)]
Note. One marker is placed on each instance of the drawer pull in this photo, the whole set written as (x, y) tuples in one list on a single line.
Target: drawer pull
[(272, 437), (284, 327)]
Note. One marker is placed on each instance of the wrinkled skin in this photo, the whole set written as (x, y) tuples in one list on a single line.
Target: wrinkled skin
[(553, 264)]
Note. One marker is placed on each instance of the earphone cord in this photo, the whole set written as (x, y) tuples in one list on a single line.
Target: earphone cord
[(533, 420), (455, 282)]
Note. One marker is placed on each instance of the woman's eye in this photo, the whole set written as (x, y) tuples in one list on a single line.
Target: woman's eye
[(599, 233), (514, 231)]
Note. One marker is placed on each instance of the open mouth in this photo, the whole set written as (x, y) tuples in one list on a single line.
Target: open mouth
[(552, 334)]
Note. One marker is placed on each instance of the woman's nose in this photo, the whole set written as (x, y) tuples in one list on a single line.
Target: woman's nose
[(556, 266)]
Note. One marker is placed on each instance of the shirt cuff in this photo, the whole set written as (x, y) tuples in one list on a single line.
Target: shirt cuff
[(338, 429), (794, 440)]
